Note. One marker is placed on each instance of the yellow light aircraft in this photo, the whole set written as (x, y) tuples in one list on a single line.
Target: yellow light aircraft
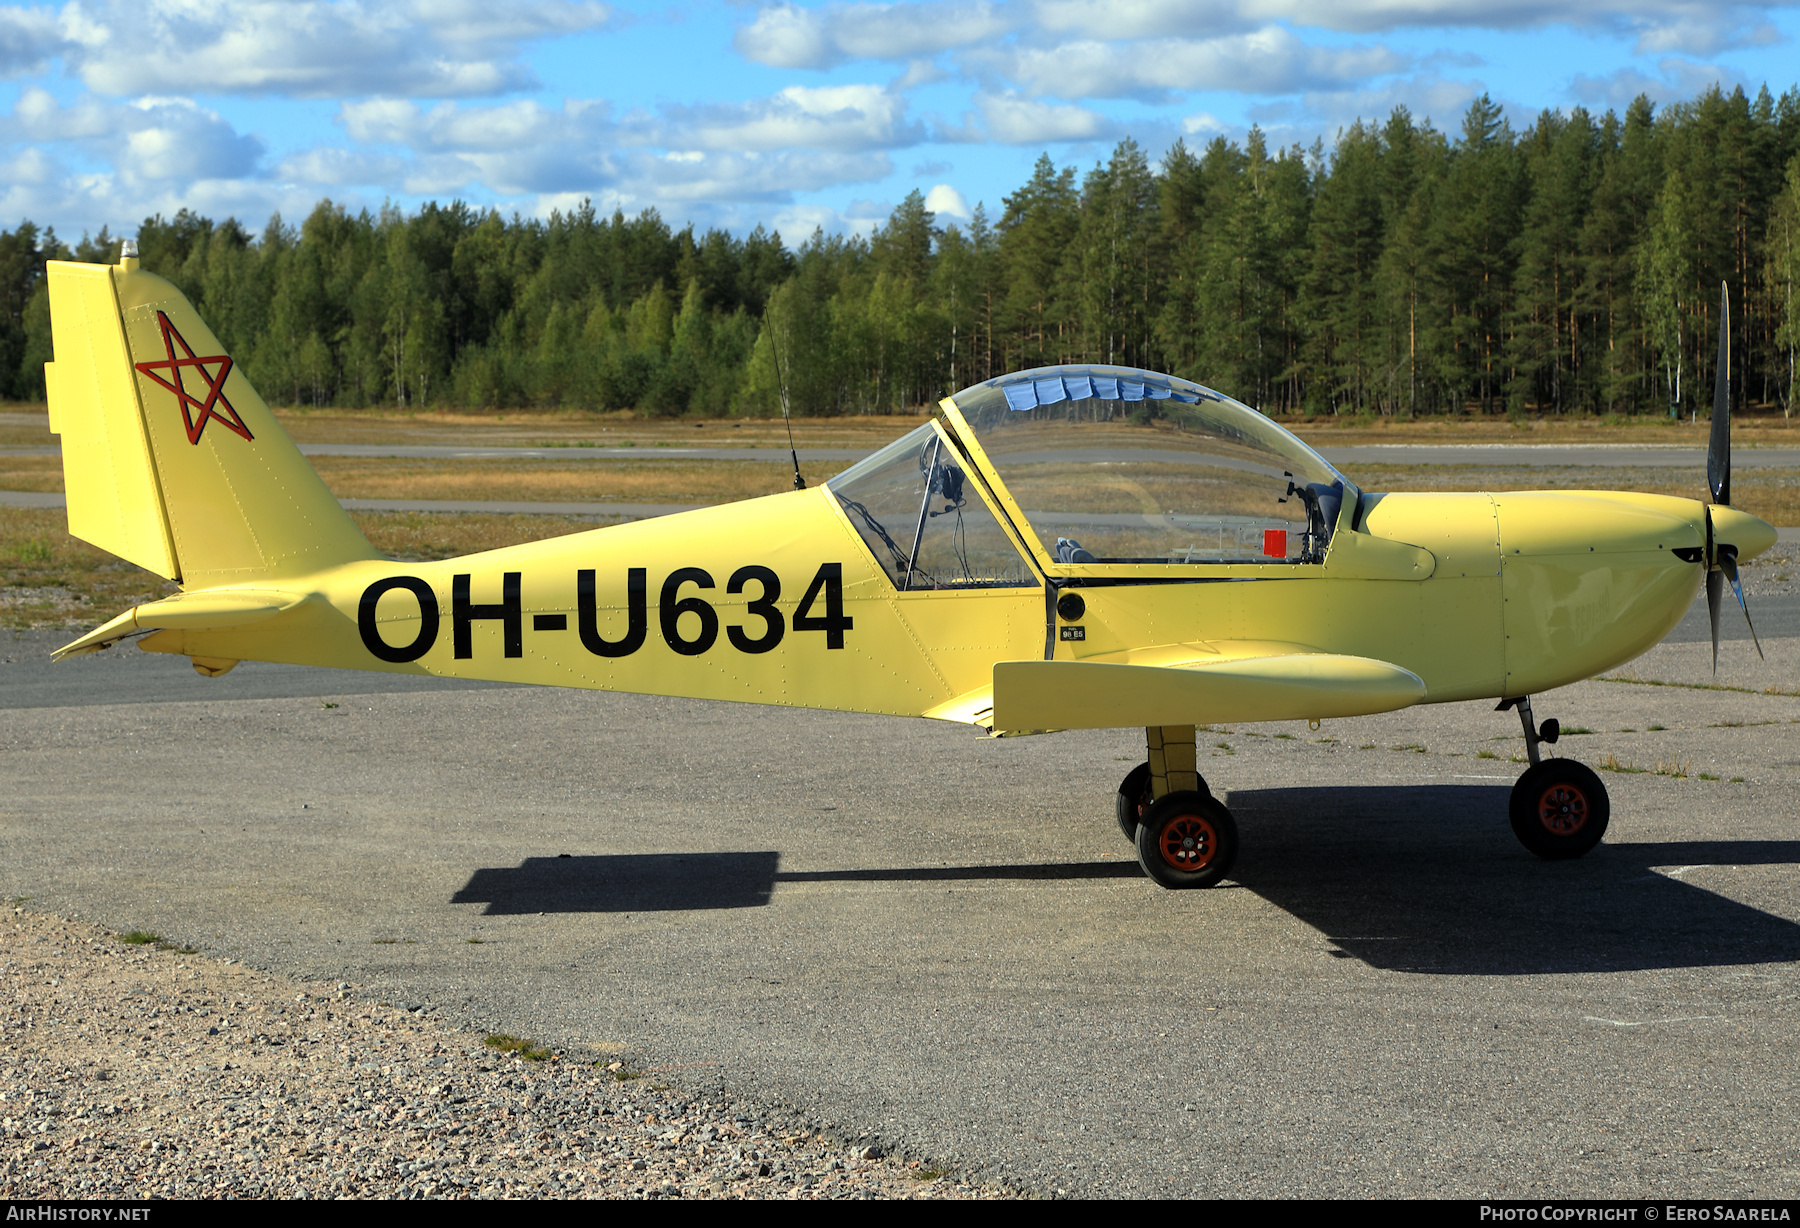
[(1063, 548)]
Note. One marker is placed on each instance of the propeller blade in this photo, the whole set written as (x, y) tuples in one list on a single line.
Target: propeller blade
[(1718, 449), (1728, 566), (1715, 591)]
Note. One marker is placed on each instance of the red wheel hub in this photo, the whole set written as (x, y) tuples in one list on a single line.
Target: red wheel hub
[(1563, 809), (1188, 843)]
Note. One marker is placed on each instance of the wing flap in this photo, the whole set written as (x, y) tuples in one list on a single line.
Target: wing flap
[(1289, 686)]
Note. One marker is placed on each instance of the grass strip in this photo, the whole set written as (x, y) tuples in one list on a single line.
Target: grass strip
[(510, 481), (1697, 686)]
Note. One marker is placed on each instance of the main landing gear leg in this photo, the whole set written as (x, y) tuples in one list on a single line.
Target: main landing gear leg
[(1184, 837), (1166, 744), (1559, 808)]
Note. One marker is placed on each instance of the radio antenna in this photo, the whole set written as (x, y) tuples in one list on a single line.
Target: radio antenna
[(782, 385), (774, 346)]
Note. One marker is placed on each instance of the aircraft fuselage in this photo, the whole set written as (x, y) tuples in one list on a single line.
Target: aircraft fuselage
[(778, 601)]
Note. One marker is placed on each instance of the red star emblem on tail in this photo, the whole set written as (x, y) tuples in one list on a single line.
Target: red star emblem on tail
[(215, 384)]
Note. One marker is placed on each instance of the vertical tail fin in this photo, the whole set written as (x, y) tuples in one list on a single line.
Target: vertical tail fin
[(170, 459), (109, 478)]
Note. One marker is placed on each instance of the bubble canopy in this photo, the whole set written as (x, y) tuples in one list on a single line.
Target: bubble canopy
[(1118, 465)]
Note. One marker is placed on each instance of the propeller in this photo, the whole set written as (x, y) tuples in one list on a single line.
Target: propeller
[(1721, 557)]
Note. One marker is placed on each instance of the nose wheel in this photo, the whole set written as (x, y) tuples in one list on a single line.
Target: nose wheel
[(1559, 809)]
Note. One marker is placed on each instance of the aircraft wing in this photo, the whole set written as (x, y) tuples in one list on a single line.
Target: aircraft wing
[(1197, 684)]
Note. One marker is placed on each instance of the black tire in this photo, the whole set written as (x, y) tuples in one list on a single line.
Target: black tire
[(1187, 840), (1559, 809), (1134, 798)]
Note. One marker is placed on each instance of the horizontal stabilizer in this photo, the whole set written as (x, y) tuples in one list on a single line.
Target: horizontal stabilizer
[(1291, 686), (232, 607)]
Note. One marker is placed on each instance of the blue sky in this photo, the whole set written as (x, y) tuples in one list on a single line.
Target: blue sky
[(794, 116)]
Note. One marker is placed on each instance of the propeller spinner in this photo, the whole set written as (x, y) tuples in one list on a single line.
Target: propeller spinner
[(1721, 557)]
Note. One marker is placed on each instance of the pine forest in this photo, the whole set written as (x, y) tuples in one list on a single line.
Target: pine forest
[(1570, 269)]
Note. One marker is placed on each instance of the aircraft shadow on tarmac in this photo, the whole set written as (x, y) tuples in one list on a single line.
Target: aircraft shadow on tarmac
[(1417, 879), (659, 882), (1430, 879)]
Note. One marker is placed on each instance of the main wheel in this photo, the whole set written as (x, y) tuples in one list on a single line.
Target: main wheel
[(1134, 798), (1187, 840), (1559, 809)]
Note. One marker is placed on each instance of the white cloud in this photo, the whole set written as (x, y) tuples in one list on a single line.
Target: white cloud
[(150, 141), (1653, 23), (310, 48), (330, 167), (483, 22), (837, 117), (800, 140), (31, 166), (1268, 61), (1013, 120), (38, 116), (945, 199), (28, 37), (1679, 79), (919, 72), (786, 36), (1148, 18), (67, 203), (448, 150), (83, 203), (1427, 97), (734, 190), (772, 177), (792, 221), (521, 173), (796, 222), (501, 127)]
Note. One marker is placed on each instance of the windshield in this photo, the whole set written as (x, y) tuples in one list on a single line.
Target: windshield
[(924, 521), (1117, 465)]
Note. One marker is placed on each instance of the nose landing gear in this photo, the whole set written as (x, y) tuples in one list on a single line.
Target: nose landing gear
[(1559, 808)]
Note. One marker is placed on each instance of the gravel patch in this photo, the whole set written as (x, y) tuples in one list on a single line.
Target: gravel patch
[(143, 1071)]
